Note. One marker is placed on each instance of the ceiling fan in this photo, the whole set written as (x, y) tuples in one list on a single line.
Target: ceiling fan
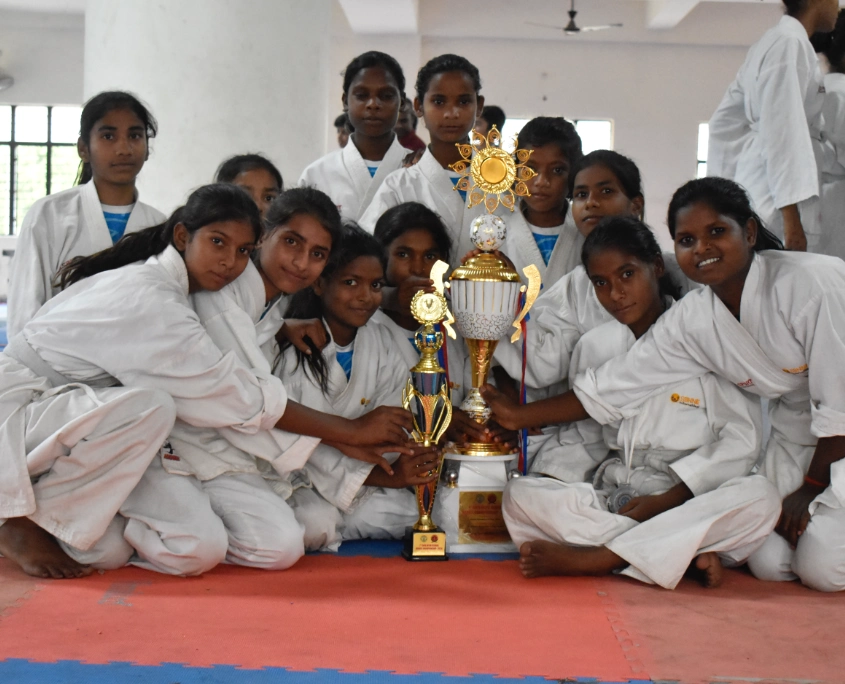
[(572, 29)]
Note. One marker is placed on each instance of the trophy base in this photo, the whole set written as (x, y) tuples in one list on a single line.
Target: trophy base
[(425, 546), (481, 450)]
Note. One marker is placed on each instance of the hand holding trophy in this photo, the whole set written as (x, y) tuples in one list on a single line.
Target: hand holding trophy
[(426, 396)]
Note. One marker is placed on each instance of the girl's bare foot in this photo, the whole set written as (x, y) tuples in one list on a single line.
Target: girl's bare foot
[(36, 551), (708, 569), (543, 558)]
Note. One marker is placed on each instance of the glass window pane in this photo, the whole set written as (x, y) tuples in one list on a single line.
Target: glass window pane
[(63, 167), (31, 124), (595, 135), (703, 141), (702, 170), (64, 124), (30, 179), (5, 181), (5, 122)]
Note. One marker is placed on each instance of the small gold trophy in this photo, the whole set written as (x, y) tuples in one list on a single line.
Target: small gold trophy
[(486, 289), (426, 396)]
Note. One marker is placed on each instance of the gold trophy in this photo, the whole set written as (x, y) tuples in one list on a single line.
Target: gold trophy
[(426, 396), (485, 294), (486, 289)]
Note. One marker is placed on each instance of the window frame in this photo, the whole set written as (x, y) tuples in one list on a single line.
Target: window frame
[(13, 145)]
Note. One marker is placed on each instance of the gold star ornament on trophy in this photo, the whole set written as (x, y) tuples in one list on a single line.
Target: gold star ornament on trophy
[(486, 289), (426, 396)]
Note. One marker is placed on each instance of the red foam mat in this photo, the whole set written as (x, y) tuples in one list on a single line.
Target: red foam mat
[(458, 618), (351, 614)]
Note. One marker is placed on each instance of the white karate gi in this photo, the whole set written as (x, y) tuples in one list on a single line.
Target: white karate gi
[(788, 346), (833, 180), (379, 373), (343, 176), (766, 133), (86, 335), (703, 432), (428, 183), (558, 319), (521, 248), (262, 529), (56, 229)]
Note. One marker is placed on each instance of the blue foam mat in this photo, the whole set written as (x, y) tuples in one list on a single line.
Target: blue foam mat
[(390, 548), (73, 672)]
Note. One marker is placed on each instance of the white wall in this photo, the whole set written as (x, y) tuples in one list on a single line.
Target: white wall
[(43, 52), (655, 92)]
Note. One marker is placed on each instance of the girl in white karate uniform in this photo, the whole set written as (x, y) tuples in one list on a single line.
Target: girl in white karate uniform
[(359, 370), (85, 342), (772, 323), (373, 90), (114, 136), (543, 231), (605, 183), (90, 383), (671, 482), (301, 226), (447, 100), (254, 173), (833, 180), (766, 133)]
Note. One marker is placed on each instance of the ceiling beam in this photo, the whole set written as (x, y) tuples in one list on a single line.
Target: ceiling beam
[(667, 14), (381, 16)]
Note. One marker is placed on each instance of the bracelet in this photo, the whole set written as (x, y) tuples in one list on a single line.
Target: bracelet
[(810, 481)]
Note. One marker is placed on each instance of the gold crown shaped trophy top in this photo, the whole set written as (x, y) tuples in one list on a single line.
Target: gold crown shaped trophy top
[(426, 396), (485, 290)]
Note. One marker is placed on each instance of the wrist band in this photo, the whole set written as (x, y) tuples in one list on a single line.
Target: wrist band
[(809, 480)]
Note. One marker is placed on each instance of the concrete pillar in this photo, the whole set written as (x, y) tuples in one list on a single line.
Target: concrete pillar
[(222, 77)]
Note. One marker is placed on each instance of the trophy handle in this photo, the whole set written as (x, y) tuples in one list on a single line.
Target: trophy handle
[(437, 272), (534, 281)]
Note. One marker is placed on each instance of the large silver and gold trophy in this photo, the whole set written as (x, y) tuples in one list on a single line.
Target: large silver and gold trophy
[(426, 396), (486, 293)]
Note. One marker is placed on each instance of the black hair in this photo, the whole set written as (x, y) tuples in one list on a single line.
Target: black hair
[(624, 168), (794, 7), (726, 197), (354, 243), (371, 59), (629, 236), (341, 121), (494, 116), (548, 130), (441, 65), (205, 205), (234, 166), (302, 202), (398, 220), (100, 105), (832, 44)]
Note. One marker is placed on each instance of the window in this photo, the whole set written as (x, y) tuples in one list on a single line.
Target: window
[(703, 142), (37, 157), (596, 134)]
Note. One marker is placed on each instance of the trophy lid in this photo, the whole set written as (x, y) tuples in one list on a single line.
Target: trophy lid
[(485, 267)]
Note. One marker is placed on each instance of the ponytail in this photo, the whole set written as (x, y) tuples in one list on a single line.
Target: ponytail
[(208, 204)]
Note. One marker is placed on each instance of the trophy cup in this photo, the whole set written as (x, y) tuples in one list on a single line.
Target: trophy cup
[(426, 396), (485, 298)]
